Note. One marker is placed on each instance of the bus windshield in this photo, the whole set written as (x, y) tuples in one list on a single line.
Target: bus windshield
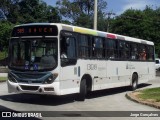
[(33, 54)]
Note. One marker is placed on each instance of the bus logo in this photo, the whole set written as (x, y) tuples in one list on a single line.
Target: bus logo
[(91, 67)]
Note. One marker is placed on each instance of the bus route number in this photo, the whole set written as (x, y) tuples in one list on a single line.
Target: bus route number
[(91, 67)]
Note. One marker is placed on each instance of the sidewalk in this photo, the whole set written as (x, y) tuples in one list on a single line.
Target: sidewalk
[(3, 74)]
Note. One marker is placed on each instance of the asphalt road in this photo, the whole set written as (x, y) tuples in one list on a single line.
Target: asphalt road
[(104, 100)]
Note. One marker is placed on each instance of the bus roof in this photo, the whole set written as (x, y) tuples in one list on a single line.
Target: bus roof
[(104, 34), (92, 32)]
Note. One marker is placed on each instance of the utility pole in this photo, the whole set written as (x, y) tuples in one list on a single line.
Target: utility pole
[(109, 16), (95, 14)]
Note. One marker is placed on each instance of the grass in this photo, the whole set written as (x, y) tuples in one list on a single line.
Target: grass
[(152, 93), (3, 79)]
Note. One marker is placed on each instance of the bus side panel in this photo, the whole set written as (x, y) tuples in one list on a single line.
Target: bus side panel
[(124, 72), (117, 73), (151, 70), (69, 80), (141, 68), (97, 69), (116, 70)]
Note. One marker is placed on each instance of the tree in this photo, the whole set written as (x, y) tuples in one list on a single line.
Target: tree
[(24, 11), (5, 31), (27, 11), (140, 24), (52, 14), (10, 8), (80, 12)]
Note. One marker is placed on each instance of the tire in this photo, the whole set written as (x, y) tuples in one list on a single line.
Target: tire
[(134, 82), (82, 91)]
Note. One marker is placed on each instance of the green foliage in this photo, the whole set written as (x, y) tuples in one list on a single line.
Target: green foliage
[(140, 24), (80, 12), (3, 79), (5, 31), (27, 11), (24, 11)]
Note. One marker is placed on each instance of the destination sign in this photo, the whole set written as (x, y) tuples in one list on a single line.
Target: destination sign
[(35, 30)]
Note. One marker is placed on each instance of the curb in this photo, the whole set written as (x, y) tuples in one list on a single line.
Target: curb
[(130, 97), (2, 81)]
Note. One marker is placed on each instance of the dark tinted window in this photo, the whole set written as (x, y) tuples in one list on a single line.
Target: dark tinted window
[(142, 52), (124, 50), (68, 47), (134, 51), (151, 53), (98, 47), (111, 51), (84, 46)]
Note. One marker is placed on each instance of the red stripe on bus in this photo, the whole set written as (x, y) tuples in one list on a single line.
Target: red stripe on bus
[(111, 36)]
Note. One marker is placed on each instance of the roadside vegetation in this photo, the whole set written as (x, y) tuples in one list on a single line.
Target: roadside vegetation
[(3, 79), (150, 94)]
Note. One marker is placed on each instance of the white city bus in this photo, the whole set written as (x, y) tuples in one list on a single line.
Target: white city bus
[(59, 59)]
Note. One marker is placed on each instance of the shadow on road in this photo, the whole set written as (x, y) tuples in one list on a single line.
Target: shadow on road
[(113, 91), (39, 99), (58, 100)]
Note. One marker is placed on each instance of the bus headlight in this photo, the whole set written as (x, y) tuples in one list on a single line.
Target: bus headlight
[(51, 78), (11, 78)]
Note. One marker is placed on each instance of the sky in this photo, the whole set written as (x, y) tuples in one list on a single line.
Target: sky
[(119, 6)]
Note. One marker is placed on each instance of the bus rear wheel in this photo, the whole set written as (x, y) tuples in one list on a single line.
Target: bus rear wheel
[(83, 90), (134, 82)]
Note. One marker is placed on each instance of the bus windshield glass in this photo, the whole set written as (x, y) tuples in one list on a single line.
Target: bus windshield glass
[(33, 54)]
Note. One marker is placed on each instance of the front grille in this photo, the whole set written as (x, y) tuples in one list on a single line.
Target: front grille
[(27, 81), (34, 88), (33, 76)]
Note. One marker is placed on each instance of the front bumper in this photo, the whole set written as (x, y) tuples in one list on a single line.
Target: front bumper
[(50, 89)]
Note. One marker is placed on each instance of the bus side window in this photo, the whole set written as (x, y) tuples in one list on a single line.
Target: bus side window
[(68, 51), (84, 46), (127, 50), (63, 48), (134, 51), (98, 47), (111, 49), (150, 53), (68, 47), (142, 52), (124, 50), (71, 48)]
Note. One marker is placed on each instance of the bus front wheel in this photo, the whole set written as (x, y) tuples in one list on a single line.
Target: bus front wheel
[(134, 81), (83, 90)]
